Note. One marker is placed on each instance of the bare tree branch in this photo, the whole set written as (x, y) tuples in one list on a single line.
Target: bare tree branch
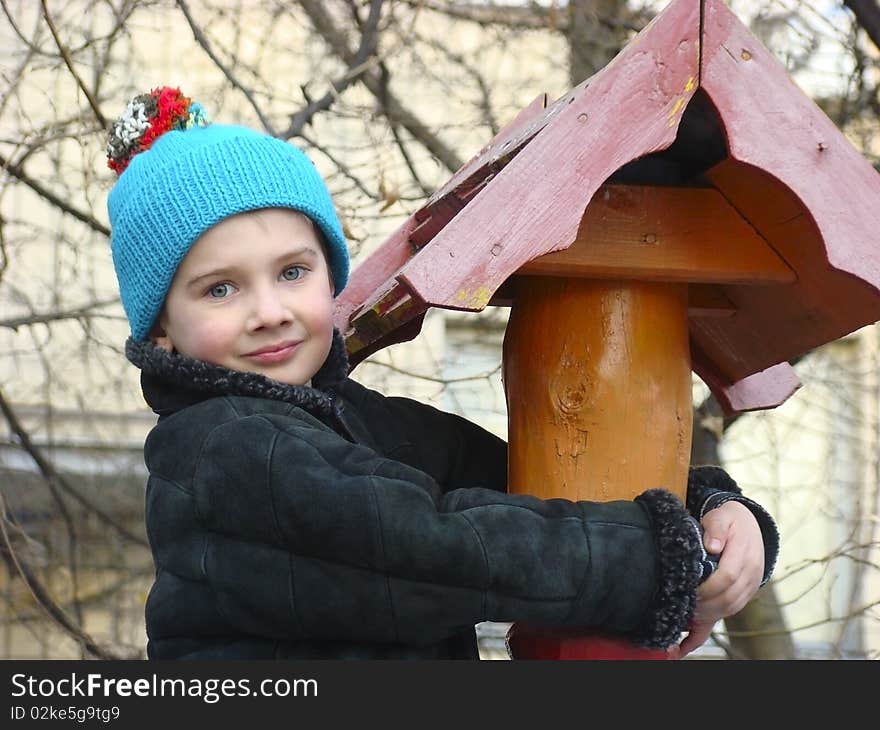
[(867, 14), (341, 166), (32, 48), (18, 173), (358, 65), (4, 257), (401, 146), (53, 477), (479, 80), (395, 110), (42, 596), (93, 102), (432, 378), (86, 310), (203, 41), (512, 15), (528, 16)]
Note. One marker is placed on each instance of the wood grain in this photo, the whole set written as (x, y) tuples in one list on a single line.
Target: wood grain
[(598, 387), (665, 234)]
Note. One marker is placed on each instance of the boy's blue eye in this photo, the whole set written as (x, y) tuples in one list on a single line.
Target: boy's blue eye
[(292, 273), (219, 291)]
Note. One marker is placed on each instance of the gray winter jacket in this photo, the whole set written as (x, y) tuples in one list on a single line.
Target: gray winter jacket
[(333, 522)]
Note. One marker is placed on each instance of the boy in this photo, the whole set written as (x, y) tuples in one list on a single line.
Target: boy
[(294, 513)]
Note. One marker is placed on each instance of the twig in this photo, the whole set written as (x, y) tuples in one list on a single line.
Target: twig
[(27, 42), (431, 378), (71, 534), (341, 167), (50, 474), (20, 174), (69, 62), (77, 313), (867, 15), (479, 79), (357, 67), (395, 110), (42, 597), (520, 16), (4, 257), (395, 132), (811, 625), (508, 15), (202, 40)]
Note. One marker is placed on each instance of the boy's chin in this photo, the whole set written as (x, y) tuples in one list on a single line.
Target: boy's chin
[(280, 376)]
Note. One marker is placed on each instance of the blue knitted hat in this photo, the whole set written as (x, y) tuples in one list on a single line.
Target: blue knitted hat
[(179, 175)]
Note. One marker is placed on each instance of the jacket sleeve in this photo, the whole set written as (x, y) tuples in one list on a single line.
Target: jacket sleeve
[(452, 449), (354, 546), (710, 487), (457, 452)]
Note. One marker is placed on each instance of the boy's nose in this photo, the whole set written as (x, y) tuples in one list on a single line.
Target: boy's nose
[(269, 310)]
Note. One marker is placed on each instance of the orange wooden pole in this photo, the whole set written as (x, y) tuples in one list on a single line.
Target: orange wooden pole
[(597, 376)]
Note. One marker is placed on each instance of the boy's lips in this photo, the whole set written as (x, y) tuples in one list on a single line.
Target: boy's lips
[(274, 353)]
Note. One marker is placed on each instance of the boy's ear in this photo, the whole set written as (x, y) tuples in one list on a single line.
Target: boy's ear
[(160, 338)]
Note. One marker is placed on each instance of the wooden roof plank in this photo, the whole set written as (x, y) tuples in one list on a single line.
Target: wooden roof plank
[(649, 233), (629, 109), (771, 124)]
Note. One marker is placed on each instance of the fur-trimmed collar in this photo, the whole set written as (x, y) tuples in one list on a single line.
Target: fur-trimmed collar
[(171, 381)]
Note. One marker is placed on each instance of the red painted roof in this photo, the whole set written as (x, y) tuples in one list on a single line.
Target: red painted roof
[(723, 112)]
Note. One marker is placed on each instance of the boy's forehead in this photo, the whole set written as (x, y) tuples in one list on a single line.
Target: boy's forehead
[(281, 226), (266, 217), (242, 237)]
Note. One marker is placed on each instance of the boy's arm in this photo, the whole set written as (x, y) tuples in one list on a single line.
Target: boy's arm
[(358, 547), (457, 452), (452, 449)]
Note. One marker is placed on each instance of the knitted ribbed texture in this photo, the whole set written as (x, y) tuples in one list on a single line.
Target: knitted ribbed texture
[(190, 180)]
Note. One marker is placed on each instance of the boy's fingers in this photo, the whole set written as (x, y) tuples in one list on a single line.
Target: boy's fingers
[(696, 637), (709, 594), (723, 599), (728, 572), (716, 525)]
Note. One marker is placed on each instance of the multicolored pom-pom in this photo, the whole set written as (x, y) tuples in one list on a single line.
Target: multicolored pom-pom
[(146, 118)]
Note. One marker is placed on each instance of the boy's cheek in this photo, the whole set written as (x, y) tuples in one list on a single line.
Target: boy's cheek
[(206, 345), (200, 340)]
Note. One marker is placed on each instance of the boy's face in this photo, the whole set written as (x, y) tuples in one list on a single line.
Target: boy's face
[(253, 294)]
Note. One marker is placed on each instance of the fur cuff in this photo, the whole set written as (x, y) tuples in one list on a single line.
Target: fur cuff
[(679, 549), (703, 481)]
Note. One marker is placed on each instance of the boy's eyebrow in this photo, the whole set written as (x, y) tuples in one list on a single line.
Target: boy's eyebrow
[(226, 270)]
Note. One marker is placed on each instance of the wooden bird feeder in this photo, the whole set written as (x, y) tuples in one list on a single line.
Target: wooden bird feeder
[(686, 208)]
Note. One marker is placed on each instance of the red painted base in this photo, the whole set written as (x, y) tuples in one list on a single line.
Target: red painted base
[(541, 642)]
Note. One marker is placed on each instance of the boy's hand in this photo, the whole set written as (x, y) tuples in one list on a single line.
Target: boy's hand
[(732, 531)]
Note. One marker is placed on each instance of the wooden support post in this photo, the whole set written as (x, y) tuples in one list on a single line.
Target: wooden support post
[(597, 376)]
